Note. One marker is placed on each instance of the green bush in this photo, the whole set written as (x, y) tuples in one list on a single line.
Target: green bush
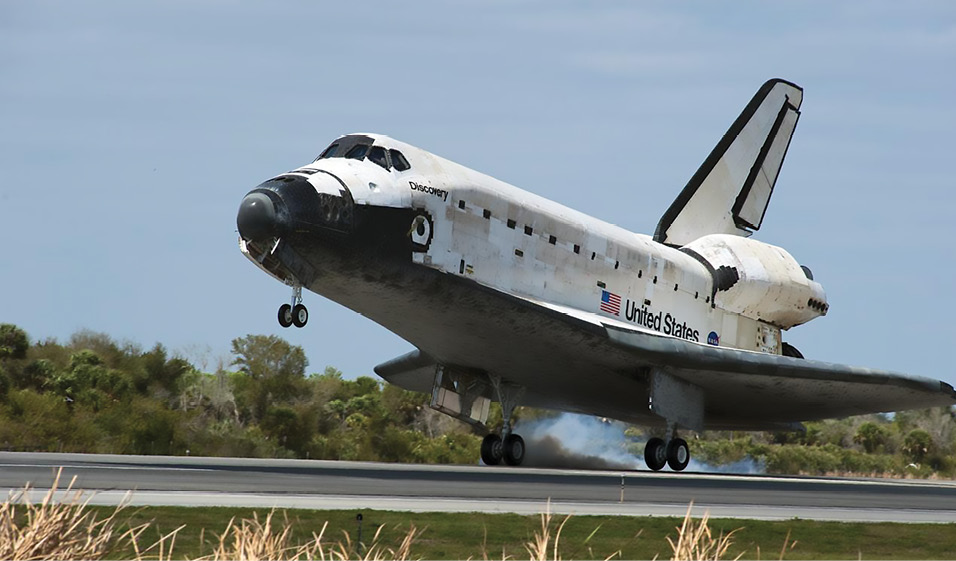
[(917, 445), (13, 342), (871, 436), (95, 395)]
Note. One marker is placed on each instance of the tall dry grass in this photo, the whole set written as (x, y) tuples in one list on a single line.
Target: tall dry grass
[(251, 539), (539, 545), (65, 528), (548, 539), (59, 529), (696, 542)]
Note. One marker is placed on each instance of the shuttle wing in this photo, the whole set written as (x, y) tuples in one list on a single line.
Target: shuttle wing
[(746, 387), (743, 387), (730, 191), (581, 361)]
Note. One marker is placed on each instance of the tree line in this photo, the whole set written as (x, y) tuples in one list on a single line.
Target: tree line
[(94, 394)]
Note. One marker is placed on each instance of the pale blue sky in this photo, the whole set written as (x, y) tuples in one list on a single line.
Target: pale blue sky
[(129, 132)]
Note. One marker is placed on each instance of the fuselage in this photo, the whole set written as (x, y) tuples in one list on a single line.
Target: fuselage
[(433, 213)]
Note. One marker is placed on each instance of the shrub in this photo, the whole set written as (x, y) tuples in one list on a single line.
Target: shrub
[(871, 436), (917, 445)]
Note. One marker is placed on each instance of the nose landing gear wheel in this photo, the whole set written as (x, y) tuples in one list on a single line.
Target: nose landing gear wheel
[(678, 454), (285, 315), (295, 313), (300, 315), (514, 450), (655, 454), (492, 450)]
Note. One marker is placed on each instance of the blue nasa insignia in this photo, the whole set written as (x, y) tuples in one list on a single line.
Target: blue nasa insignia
[(713, 338)]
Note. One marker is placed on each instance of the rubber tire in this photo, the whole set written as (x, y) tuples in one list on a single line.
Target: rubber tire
[(300, 315), (514, 450), (655, 454), (491, 450), (285, 315), (678, 454)]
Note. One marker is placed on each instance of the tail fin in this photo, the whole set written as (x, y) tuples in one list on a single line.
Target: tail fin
[(731, 189)]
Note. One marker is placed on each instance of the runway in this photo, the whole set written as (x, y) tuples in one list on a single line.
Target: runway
[(190, 481)]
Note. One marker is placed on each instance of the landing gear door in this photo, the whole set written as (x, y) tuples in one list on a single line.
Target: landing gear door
[(460, 396)]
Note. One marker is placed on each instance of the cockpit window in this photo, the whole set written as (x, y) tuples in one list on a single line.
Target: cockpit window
[(357, 152), (329, 152), (377, 155), (348, 146), (398, 160), (361, 147)]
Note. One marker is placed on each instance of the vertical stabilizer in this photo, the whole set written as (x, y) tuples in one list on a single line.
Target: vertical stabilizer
[(730, 192)]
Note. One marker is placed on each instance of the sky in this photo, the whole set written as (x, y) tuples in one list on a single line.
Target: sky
[(130, 131)]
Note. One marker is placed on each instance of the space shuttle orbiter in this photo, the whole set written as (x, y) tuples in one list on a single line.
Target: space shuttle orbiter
[(510, 297)]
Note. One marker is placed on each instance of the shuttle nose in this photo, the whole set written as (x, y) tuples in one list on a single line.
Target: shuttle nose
[(257, 218), (289, 205)]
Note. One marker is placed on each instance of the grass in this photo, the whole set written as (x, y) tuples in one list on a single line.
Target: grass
[(75, 530), (495, 536)]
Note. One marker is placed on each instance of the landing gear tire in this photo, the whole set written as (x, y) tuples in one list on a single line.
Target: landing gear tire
[(492, 450), (678, 454), (285, 315), (514, 450), (655, 454), (300, 315)]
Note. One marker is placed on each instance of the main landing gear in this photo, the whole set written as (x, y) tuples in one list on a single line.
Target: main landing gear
[(494, 449), (677, 403), (507, 446), (295, 313), (674, 453)]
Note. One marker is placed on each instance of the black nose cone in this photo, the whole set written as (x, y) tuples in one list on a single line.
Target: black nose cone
[(257, 218)]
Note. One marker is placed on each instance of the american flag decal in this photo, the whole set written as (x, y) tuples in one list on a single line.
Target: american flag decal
[(610, 303)]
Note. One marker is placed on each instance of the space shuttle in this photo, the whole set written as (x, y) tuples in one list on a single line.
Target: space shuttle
[(512, 298)]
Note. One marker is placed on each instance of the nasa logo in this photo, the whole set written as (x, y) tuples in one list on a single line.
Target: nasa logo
[(713, 338)]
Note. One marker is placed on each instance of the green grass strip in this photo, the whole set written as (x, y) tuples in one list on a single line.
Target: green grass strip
[(495, 536)]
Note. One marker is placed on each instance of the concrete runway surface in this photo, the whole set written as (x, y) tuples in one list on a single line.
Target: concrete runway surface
[(313, 484)]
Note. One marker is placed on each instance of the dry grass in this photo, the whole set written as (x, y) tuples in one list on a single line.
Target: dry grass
[(696, 542), (64, 529), (255, 539), (541, 543), (252, 539), (62, 526), (538, 546)]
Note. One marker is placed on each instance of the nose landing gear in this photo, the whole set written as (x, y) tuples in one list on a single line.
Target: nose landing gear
[(295, 313)]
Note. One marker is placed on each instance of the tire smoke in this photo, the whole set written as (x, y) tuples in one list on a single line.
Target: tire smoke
[(571, 441)]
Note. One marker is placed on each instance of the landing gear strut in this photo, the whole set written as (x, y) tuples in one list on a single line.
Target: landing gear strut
[(508, 446), (295, 313)]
